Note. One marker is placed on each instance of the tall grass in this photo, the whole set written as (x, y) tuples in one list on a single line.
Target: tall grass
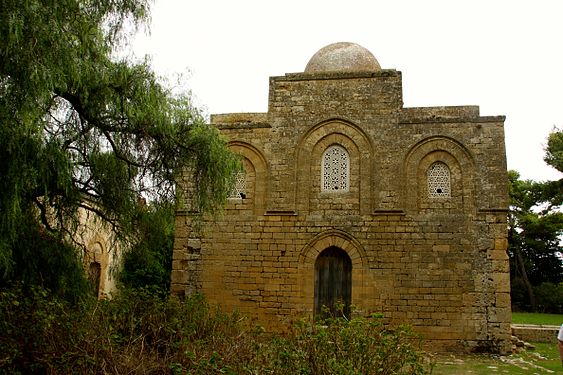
[(138, 333)]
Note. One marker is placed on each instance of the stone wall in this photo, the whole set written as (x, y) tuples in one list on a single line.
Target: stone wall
[(439, 264), (536, 333), (101, 252)]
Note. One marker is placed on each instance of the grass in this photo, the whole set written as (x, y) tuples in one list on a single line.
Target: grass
[(537, 318), (543, 360)]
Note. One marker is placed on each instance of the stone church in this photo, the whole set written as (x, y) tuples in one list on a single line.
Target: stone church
[(351, 203)]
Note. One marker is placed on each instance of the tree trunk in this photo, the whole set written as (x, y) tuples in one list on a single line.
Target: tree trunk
[(522, 268)]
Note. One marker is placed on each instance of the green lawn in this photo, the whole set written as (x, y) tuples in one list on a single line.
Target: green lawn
[(543, 360), (537, 318)]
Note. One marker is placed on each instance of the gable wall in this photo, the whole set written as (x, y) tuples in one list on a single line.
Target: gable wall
[(439, 264)]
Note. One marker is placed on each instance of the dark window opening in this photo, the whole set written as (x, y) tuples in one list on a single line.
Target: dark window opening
[(333, 284), (94, 274)]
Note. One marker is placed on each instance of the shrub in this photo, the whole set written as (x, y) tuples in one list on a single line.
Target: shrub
[(149, 261), (47, 260), (549, 297), (142, 333), (341, 346), (33, 326)]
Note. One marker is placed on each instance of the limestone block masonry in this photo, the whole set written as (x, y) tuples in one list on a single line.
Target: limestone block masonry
[(349, 199)]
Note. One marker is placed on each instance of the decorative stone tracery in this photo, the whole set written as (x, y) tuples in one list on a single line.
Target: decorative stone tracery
[(335, 169), (239, 188), (438, 176)]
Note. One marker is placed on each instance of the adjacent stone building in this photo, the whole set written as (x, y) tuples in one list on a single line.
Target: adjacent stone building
[(347, 196), (101, 252)]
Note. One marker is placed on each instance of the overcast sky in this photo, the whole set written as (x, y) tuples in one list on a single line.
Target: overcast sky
[(505, 56)]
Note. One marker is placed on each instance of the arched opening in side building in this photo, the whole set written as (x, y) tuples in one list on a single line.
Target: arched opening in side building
[(94, 275), (333, 283)]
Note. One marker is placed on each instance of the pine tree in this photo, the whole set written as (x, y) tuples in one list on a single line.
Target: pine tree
[(535, 229)]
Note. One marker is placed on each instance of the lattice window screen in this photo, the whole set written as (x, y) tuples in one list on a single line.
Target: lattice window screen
[(438, 176), (239, 189), (335, 174)]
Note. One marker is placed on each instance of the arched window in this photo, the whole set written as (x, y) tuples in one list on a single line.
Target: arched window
[(438, 176), (239, 188), (335, 169)]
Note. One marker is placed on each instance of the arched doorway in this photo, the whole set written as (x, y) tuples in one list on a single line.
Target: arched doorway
[(94, 275), (333, 283)]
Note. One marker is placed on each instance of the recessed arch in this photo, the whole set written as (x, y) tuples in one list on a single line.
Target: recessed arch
[(333, 238), (96, 249), (96, 264), (259, 173), (335, 125), (309, 254), (333, 283), (309, 153), (460, 163)]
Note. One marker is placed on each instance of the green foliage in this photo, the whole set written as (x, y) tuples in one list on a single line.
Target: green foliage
[(30, 322), (549, 297), (554, 150), (534, 244), (138, 333), (81, 128), (56, 266), (149, 262), (535, 229), (341, 346)]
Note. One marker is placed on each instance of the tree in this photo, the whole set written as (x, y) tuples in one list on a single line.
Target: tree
[(82, 128), (149, 261), (535, 229), (554, 150)]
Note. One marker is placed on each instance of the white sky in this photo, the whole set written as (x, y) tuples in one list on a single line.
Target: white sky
[(505, 56)]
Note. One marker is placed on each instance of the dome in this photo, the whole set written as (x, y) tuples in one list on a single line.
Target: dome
[(342, 57)]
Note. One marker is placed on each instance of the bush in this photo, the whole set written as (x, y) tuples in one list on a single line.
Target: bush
[(149, 261), (549, 297), (140, 333), (33, 326), (341, 346), (47, 260)]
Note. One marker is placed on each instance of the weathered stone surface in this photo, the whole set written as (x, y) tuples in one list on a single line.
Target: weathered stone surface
[(342, 57), (436, 261), (535, 333)]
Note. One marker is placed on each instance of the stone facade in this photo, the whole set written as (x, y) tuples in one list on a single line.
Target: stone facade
[(101, 252), (347, 195)]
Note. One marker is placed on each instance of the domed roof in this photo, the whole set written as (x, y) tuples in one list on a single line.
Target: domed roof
[(342, 57)]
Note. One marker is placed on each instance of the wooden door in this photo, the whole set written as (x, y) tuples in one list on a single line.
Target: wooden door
[(333, 283), (94, 275)]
